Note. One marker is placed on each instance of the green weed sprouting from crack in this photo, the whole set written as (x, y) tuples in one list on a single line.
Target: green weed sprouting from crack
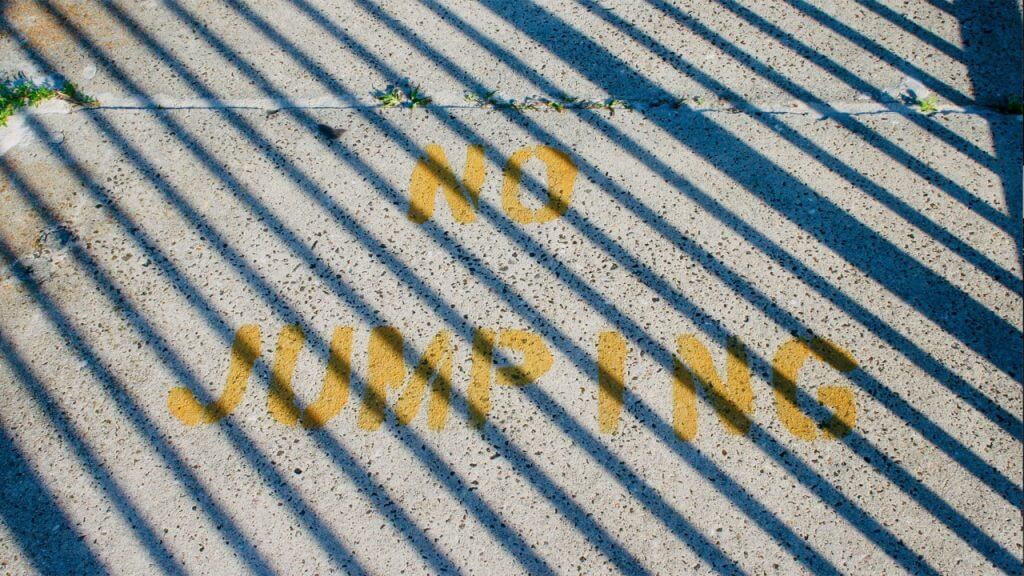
[(677, 102), (525, 104), (928, 105), (560, 104), (491, 99), (389, 98), (485, 99), (19, 92), (75, 96), (1012, 105), (408, 96), (416, 97), (613, 103)]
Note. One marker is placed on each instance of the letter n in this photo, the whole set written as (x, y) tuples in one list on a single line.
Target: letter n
[(733, 400), (433, 172)]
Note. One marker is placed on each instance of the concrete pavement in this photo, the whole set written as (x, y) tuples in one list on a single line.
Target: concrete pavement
[(739, 307)]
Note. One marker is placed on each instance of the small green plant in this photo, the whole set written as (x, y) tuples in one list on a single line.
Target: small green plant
[(699, 100), (559, 104), (1012, 105), (19, 92), (389, 98), (416, 97), (613, 103), (408, 96), (75, 96), (528, 103), (485, 99), (928, 104)]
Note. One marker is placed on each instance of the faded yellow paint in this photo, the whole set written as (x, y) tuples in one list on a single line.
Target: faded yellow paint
[(536, 360), (733, 400), (479, 393), (387, 370), (434, 172), (788, 361), (281, 399), (611, 378), (183, 404), (561, 172), (334, 392)]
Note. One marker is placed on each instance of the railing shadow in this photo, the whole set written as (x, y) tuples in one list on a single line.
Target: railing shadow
[(1008, 223), (36, 520), (515, 456), (579, 357), (398, 137), (116, 390), (650, 497), (259, 461), (433, 462), (995, 66), (900, 407), (897, 19), (956, 384), (829, 224), (70, 433), (360, 235), (868, 458)]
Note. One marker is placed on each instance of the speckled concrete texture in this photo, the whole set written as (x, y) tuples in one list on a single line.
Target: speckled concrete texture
[(769, 188)]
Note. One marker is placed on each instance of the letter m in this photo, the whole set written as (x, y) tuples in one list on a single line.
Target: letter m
[(387, 371)]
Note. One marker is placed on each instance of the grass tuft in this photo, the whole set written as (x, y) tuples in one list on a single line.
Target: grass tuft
[(389, 98), (928, 105), (416, 97), (406, 96), (19, 92), (1012, 105)]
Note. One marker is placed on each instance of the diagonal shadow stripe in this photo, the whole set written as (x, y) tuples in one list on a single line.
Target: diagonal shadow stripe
[(830, 225), (995, 63), (135, 414), (890, 399), (1004, 222), (458, 487), (649, 497), (70, 433), (345, 461), (416, 444), (142, 425), (946, 513), (891, 201), (922, 33), (837, 70), (36, 520), (1006, 420)]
